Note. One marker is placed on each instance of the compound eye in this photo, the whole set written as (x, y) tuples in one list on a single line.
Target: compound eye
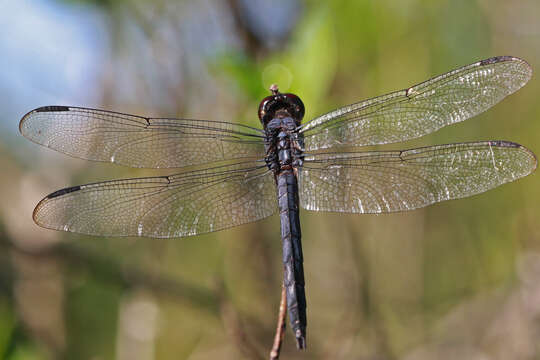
[(297, 104), (264, 107)]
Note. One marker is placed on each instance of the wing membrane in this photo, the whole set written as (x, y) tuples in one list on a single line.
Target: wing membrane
[(389, 181), (139, 141), (421, 109), (180, 205)]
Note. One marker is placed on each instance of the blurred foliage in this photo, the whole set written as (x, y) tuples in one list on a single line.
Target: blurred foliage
[(456, 280)]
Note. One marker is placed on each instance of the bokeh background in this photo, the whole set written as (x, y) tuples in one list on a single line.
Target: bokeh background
[(457, 280)]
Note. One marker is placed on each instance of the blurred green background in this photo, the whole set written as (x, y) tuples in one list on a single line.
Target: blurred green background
[(457, 280)]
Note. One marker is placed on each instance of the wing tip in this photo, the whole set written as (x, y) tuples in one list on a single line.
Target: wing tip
[(23, 120), (511, 144), (509, 58), (35, 214), (43, 109), (532, 156)]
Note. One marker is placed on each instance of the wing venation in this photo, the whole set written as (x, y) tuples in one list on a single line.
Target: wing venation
[(420, 109), (139, 141), (390, 181), (184, 204)]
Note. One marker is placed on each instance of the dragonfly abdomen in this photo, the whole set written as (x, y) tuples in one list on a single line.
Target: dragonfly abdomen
[(287, 188)]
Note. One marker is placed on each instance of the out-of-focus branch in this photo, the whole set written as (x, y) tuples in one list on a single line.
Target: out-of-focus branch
[(236, 331), (252, 45), (107, 270), (125, 276)]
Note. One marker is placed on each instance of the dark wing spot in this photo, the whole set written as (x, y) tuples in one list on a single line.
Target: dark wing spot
[(64, 191), (502, 143), (496, 59), (52, 108)]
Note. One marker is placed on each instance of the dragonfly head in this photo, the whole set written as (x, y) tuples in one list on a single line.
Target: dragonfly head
[(281, 105)]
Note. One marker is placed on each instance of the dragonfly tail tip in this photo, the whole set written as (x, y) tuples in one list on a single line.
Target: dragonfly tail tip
[(301, 342)]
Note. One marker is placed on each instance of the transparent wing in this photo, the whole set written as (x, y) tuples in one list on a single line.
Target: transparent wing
[(421, 109), (388, 181), (185, 204), (139, 141)]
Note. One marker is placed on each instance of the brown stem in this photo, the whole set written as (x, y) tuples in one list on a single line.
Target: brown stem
[(280, 329)]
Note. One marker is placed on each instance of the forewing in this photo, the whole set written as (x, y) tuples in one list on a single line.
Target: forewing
[(138, 141), (421, 109), (180, 205), (389, 181)]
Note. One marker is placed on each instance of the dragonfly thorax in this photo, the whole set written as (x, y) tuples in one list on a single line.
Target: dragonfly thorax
[(284, 145)]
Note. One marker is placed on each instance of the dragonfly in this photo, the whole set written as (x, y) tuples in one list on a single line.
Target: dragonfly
[(232, 174)]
